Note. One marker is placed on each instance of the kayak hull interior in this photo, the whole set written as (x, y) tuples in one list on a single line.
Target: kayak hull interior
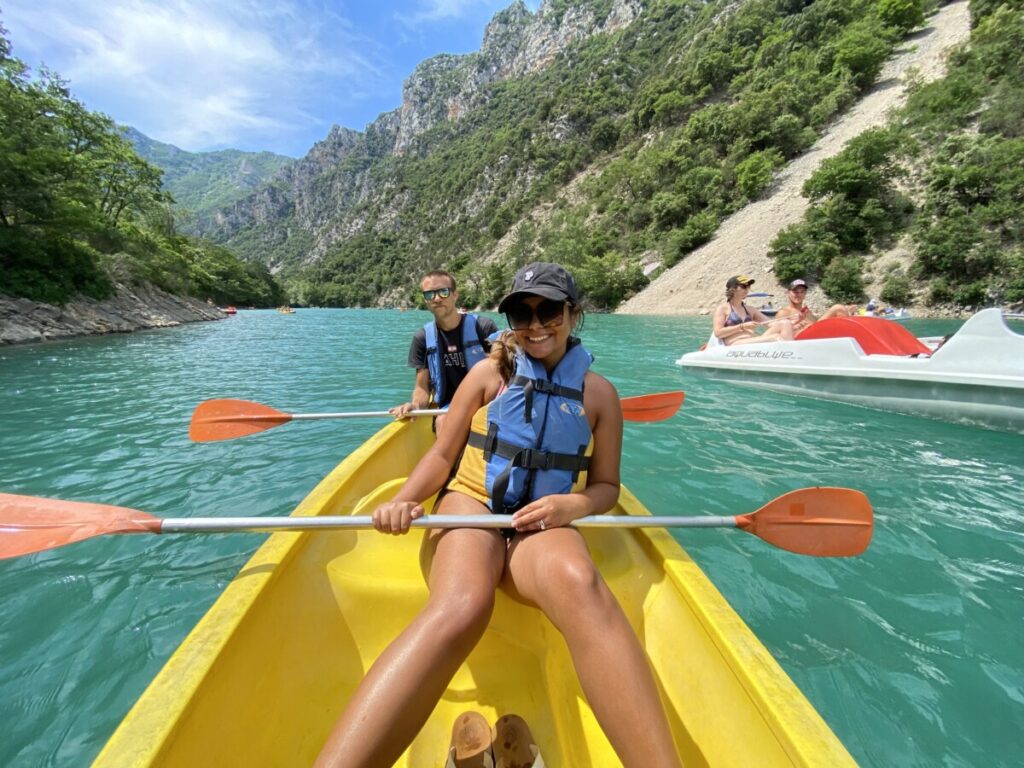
[(264, 675)]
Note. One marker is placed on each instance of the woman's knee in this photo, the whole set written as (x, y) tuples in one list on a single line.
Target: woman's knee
[(462, 613), (574, 581)]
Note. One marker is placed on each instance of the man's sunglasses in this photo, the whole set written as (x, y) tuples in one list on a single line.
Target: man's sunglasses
[(444, 293), (549, 314)]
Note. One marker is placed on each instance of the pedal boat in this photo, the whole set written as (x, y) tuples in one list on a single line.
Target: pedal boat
[(974, 377), (263, 676)]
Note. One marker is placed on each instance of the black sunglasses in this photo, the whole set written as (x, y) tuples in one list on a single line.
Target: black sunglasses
[(444, 293), (549, 313)]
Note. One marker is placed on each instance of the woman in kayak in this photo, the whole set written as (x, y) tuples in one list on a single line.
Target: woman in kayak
[(735, 324), (534, 432)]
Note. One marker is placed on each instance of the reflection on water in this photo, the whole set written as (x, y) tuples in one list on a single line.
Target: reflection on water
[(912, 652)]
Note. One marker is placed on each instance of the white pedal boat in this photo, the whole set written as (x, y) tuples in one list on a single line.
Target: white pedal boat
[(976, 376)]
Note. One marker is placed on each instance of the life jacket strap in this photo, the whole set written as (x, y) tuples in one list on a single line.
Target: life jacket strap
[(529, 458), (545, 386)]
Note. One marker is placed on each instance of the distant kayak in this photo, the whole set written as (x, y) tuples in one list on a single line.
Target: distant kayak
[(229, 310)]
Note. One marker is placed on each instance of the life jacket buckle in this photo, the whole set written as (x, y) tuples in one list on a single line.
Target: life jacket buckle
[(531, 458)]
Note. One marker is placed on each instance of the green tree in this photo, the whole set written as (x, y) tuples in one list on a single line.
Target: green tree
[(755, 172), (903, 15), (842, 279), (862, 49)]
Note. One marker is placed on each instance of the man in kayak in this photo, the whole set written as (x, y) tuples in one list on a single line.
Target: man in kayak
[(444, 350), (532, 431), (801, 315)]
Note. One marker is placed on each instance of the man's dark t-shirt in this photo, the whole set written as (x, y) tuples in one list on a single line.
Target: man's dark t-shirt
[(453, 356)]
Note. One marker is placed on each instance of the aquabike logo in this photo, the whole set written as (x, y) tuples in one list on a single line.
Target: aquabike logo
[(762, 354)]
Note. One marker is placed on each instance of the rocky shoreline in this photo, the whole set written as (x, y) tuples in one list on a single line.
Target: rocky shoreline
[(133, 308)]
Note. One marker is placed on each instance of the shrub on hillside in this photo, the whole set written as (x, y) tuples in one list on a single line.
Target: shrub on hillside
[(971, 294), (698, 229), (755, 172), (939, 292), (800, 250), (903, 15), (896, 290), (862, 49), (842, 279), (1014, 291)]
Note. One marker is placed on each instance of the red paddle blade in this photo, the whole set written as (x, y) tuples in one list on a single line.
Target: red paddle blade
[(30, 524), (656, 407), (823, 522), (227, 419)]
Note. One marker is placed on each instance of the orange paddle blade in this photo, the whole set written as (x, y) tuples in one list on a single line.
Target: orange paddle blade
[(30, 524), (227, 419), (823, 522), (656, 407)]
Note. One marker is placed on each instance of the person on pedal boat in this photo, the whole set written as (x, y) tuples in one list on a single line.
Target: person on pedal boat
[(444, 350), (535, 432), (733, 323), (801, 315)]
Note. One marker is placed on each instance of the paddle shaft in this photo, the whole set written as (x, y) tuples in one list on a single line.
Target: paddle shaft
[(350, 415), (343, 522)]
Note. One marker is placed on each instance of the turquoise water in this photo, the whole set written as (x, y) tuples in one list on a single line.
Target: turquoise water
[(913, 652)]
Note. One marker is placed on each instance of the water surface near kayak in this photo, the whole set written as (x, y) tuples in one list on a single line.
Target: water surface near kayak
[(913, 653)]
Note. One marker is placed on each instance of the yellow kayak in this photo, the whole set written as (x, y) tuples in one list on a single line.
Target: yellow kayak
[(263, 676)]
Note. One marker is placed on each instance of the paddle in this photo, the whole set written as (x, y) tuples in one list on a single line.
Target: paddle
[(824, 522), (227, 419)]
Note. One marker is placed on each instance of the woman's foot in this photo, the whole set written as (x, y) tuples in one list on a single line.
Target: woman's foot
[(513, 744), (471, 742)]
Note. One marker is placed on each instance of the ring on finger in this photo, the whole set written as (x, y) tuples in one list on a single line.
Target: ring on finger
[(543, 525)]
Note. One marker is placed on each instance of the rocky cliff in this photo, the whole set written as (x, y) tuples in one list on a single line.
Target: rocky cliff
[(323, 199), (133, 308)]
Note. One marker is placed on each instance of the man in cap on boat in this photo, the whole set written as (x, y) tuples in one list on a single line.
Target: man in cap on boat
[(444, 349), (800, 314)]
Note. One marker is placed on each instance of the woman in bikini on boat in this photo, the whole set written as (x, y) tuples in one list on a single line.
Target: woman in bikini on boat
[(735, 324)]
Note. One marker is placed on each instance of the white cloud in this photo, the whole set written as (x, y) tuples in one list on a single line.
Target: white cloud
[(201, 74), (433, 11)]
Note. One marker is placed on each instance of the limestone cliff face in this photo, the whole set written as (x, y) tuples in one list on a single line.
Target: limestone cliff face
[(516, 42), (320, 200)]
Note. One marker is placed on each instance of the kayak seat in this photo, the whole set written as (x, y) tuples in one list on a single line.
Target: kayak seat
[(875, 335)]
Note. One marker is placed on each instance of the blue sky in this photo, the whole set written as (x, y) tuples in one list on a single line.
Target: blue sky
[(273, 75)]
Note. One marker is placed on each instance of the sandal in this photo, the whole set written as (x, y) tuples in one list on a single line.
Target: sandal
[(513, 744), (471, 742)]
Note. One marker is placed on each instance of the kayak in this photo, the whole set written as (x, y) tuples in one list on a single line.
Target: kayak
[(263, 676)]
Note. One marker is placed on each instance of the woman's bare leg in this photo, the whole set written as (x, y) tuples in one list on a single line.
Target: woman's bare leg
[(406, 681), (554, 570)]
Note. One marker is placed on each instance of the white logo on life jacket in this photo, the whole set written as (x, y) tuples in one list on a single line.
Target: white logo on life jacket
[(573, 409)]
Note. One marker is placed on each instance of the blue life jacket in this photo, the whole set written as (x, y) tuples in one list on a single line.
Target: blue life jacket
[(537, 431), (472, 347)]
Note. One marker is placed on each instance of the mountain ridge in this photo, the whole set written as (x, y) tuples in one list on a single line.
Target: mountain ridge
[(203, 182), (617, 147)]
